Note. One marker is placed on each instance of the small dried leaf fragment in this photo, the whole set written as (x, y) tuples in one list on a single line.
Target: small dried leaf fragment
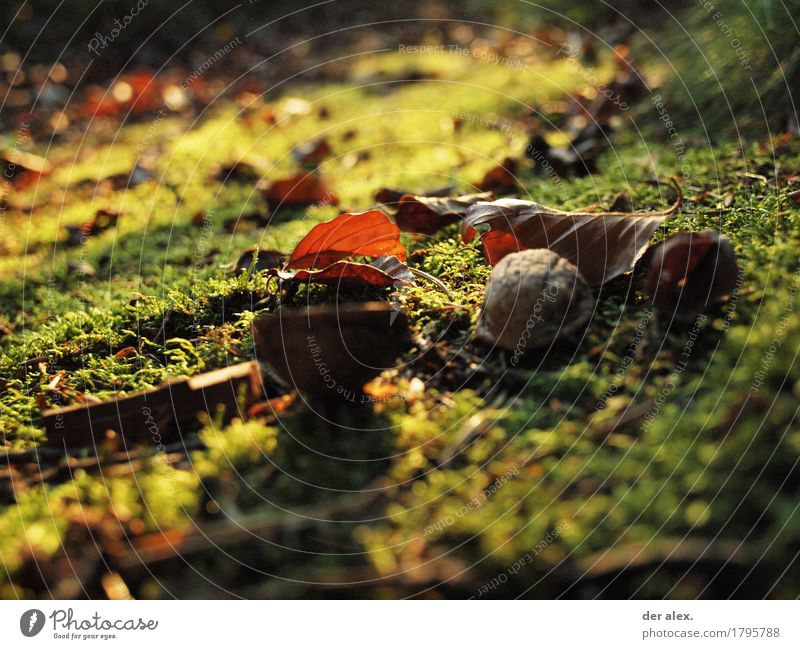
[(259, 260), (238, 170), (690, 271), (103, 220), (602, 245), (366, 234), (384, 271), (23, 161), (393, 196)]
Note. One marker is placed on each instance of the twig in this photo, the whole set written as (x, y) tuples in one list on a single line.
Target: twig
[(439, 283)]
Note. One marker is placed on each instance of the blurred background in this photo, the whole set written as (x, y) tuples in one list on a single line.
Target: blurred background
[(699, 46)]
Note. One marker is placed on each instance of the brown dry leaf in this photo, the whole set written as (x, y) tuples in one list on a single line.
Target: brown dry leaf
[(130, 416), (301, 189), (238, 170), (22, 161), (503, 177), (103, 220), (353, 343), (384, 271), (691, 271), (602, 246), (125, 352), (393, 196), (366, 234), (427, 215), (260, 260)]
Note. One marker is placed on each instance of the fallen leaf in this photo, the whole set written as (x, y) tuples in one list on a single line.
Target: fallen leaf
[(691, 271), (602, 246), (578, 158), (312, 152), (427, 215), (236, 171), (301, 189), (23, 161), (103, 220), (125, 352), (384, 271), (366, 234), (169, 410), (331, 351)]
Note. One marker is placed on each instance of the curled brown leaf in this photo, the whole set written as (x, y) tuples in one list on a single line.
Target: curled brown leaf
[(427, 214)]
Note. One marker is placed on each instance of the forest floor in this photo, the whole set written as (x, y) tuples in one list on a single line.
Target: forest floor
[(602, 467)]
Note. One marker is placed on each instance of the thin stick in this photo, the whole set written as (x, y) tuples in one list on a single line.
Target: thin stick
[(439, 283)]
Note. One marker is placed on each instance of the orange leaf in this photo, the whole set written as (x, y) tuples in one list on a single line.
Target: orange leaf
[(368, 234)]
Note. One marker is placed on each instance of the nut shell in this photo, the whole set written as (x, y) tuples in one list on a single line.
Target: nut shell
[(533, 298)]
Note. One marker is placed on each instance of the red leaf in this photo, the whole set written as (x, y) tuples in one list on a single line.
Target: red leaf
[(125, 352), (602, 245), (384, 271), (428, 214), (368, 234), (302, 189)]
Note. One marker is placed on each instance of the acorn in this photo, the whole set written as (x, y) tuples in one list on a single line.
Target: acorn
[(534, 298)]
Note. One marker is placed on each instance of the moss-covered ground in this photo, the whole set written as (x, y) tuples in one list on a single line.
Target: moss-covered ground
[(575, 473)]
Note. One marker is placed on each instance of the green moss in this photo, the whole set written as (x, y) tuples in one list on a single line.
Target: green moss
[(716, 458)]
